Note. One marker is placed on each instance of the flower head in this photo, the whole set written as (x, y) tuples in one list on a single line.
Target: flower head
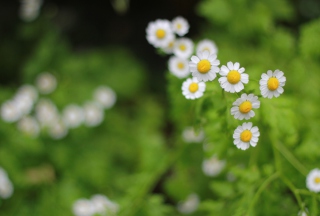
[(73, 116), (213, 166), (271, 83), (189, 205), (29, 126), (180, 26), (105, 96), (159, 33), (246, 135), (94, 114), (192, 88), (313, 180), (6, 187), (242, 107), (204, 66), (189, 135), (83, 207), (168, 48), (46, 83), (207, 45), (179, 67), (183, 47), (233, 77)]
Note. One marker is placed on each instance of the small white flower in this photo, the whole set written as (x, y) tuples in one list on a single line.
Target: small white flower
[(46, 83), (204, 66), (179, 67), (29, 125), (6, 187), (192, 88), (28, 91), (246, 135), (168, 48), (83, 207), (159, 33), (105, 96), (10, 111), (313, 180), (207, 45), (46, 112), (213, 166), (73, 116), (29, 9), (57, 130), (242, 107), (103, 205), (94, 114), (233, 77), (183, 47), (271, 83), (189, 135), (180, 26), (190, 205)]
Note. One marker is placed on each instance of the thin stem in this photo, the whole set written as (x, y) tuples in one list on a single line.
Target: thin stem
[(293, 190)]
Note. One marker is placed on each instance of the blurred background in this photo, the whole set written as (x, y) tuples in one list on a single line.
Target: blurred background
[(131, 144)]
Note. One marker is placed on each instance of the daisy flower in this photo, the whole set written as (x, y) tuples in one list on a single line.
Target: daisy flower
[(73, 116), (159, 33), (180, 26), (246, 135), (207, 45), (233, 77), (168, 48), (183, 47), (313, 180), (105, 96), (46, 83), (189, 205), (271, 83), (204, 66), (192, 88), (213, 166), (242, 107), (179, 67)]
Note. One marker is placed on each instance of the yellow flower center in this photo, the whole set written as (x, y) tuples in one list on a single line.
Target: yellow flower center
[(245, 107), (233, 77), (160, 33), (245, 136), (193, 87), (170, 44), (204, 66), (182, 47), (180, 65), (317, 180), (179, 26), (273, 83)]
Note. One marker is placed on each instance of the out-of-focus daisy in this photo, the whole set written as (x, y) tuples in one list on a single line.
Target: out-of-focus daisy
[(105, 96), (103, 205), (46, 83), (204, 66), (207, 45), (190, 205), (313, 180), (94, 114), (271, 83), (168, 48), (27, 91), (192, 88), (246, 135), (46, 112), (10, 112), (73, 116), (183, 47), (6, 187), (29, 126), (179, 67), (83, 207), (57, 130), (29, 9), (213, 166), (242, 107), (180, 26), (159, 33), (233, 77), (189, 135)]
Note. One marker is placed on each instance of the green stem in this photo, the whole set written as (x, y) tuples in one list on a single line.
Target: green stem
[(293, 190)]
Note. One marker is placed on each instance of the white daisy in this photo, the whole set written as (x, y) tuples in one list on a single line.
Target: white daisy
[(159, 33), (46, 83), (204, 66), (29, 9), (83, 207), (105, 96), (180, 25), (6, 187), (207, 45), (103, 205), (168, 48), (189, 135), (179, 67), (94, 114), (192, 88), (271, 83), (57, 130), (189, 205), (246, 135), (29, 125), (27, 91), (242, 107), (313, 180), (10, 111), (46, 112), (233, 77), (73, 116), (213, 166), (183, 47)]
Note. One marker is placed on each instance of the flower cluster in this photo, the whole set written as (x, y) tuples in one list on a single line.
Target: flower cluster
[(204, 67), (34, 114), (6, 187)]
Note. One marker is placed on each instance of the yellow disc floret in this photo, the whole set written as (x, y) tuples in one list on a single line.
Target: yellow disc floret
[(273, 83), (179, 26), (233, 77), (317, 180), (193, 87), (245, 136), (180, 65), (204, 66), (245, 107), (160, 33), (182, 47)]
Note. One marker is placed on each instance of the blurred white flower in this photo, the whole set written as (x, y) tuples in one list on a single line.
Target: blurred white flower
[(46, 83), (213, 166), (183, 48), (103, 205), (83, 207), (6, 187), (29, 125), (180, 26), (10, 111), (29, 9), (94, 114), (73, 116), (28, 91), (207, 45), (179, 66), (46, 112), (190, 205), (168, 48), (313, 180), (57, 130), (190, 136), (105, 96)]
